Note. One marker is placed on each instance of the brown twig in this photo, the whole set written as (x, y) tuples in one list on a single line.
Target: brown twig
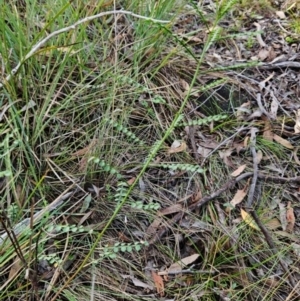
[(198, 204), (193, 143), (287, 64), (255, 167), (215, 194)]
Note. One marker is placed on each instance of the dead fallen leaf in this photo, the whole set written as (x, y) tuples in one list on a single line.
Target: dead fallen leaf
[(225, 156), (282, 216), (268, 135), (153, 227), (273, 224), (239, 170), (195, 40), (131, 181), (15, 268), (85, 150), (297, 122), (259, 156), (263, 54), (179, 265), (138, 282), (170, 210), (290, 217), (295, 155), (177, 147), (283, 142), (247, 218), (296, 248), (203, 151), (280, 14), (290, 236), (238, 146), (274, 106), (246, 140), (159, 283), (239, 196)]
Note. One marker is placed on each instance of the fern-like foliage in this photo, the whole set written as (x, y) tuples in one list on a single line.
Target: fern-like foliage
[(58, 229), (155, 98), (142, 206), (183, 167), (121, 191), (106, 167), (121, 128), (224, 8), (111, 252), (204, 121), (212, 38), (212, 85)]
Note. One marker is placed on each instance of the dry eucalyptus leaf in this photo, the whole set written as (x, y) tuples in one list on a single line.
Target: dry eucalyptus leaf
[(177, 147), (280, 14), (247, 218), (203, 151), (283, 142), (273, 224), (170, 210), (292, 237), (274, 107), (290, 218), (259, 156), (263, 54), (152, 229), (138, 282), (239, 196), (225, 156), (282, 216), (296, 248), (239, 170), (177, 266), (159, 283), (15, 268), (297, 124)]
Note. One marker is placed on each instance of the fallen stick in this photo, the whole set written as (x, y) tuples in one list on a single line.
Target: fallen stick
[(214, 195)]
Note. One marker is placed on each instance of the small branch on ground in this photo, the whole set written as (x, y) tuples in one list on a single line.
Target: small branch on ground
[(193, 143), (214, 195), (255, 167), (198, 204), (261, 107)]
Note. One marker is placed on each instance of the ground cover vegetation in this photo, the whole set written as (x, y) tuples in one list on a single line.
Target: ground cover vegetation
[(149, 150)]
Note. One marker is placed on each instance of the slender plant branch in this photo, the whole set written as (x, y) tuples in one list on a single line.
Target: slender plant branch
[(199, 204), (42, 42), (215, 194), (255, 167)]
